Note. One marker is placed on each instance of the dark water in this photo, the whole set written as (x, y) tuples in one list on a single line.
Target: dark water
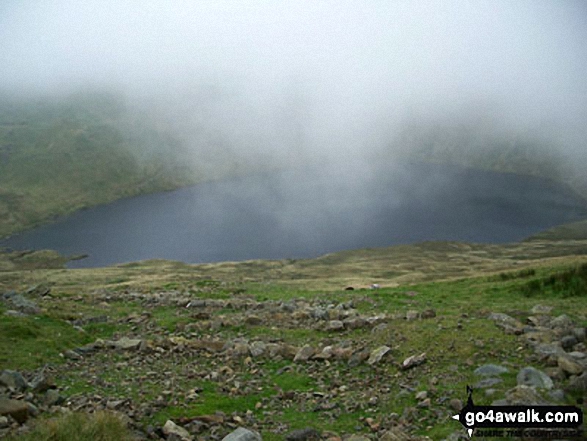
[(307, 213)]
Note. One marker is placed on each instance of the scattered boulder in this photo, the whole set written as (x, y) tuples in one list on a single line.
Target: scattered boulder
[(414, 360), (334, 325), (172, 429), (521, 395), (126, 344), (570, 366), (578, 383), (242, 434), (490, 370), (563, 321), (506, 322), (358, 357), (428, 313), (412, 315), (532, 377), (13, 380), (20, 303), (308, 434), (378, 354), (17, 409), (541, 309), (304, 353)]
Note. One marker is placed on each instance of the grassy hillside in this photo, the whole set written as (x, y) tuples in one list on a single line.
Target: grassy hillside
[(482, 147), (213, 347), (58, 155)]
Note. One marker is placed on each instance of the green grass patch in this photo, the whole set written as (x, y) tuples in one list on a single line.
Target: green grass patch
[(569, 283)]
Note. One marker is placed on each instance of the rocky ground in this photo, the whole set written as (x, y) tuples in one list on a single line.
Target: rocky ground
[(185, 366)]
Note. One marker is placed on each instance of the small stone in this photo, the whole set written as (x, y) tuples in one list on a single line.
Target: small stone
[(563, 321), (569, 365), (242, 434), (412, 315), (52, 398), (72, 355), (523, 396), (127, 344), (170, 428), (334, 325), (579, 334), (307, 434), (568, 341), (541, 309), (15, 408), (253, 320), (358, 357), (578, 383), (455, 404), (396, 434), (422, 395), (508, 324), (532, 377), (490, 369), (414, 360), (428, 314), (23, 305), (257, 348), (13, 380), (304, 353), (4, 422), (557, 395), (378, 354)]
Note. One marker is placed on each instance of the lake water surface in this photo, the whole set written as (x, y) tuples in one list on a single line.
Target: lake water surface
[(309, 212)]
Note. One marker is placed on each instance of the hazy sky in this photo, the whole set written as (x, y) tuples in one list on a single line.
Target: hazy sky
[(335, 72)]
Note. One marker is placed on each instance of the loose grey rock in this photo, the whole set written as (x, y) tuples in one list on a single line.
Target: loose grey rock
[(334, 325), (578, 383), (22, 304), (126, 344), (170, 428), (563, 321), (580, 334), (358, 357), (52, 398), (308, 434), (15, 408), (257, 348), (548, 349), (4, 422), (490, 370), (568, 341), (414, 360), (412, 315), (522, 396), (557, 395), (509, 324), (428, 313), (532, 377), (541, 309), (13, 380), (304, 353), (396, 434), (378, 354), (569, 365), (242, 434), (39, 290)]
